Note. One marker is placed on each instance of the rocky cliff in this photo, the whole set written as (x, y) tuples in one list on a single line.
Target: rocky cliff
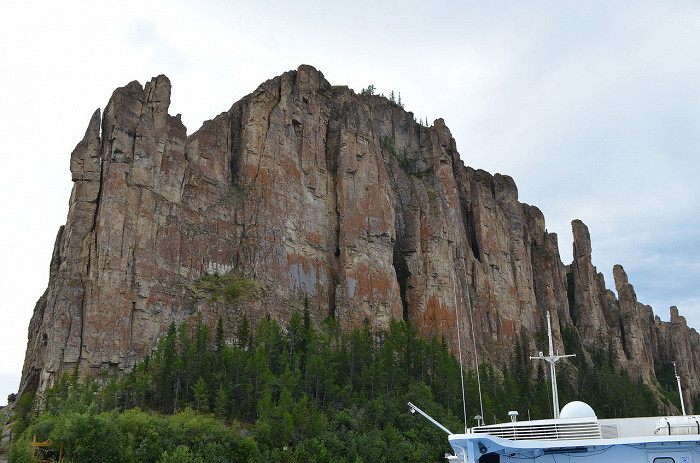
[(313, 192)]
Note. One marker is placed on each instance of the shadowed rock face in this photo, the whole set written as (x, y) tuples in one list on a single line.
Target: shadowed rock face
[(312, 191)]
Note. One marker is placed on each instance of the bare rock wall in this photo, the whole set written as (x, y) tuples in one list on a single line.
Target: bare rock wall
[(314, 192)]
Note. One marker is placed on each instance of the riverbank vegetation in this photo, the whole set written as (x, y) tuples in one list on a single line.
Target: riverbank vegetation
[(300, 393)]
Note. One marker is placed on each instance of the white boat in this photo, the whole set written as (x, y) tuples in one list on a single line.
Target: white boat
[(577, 435)]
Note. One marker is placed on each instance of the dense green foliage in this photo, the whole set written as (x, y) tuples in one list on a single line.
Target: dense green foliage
[(136, 436), (302, 393)]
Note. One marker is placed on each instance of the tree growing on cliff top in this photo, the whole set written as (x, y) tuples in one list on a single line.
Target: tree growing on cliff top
[(369, 90)]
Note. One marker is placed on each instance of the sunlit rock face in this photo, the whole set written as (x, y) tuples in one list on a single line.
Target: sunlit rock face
[(315, 193)]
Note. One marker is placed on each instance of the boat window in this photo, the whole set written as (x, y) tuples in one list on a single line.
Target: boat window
[(494, 458), (664, 460)]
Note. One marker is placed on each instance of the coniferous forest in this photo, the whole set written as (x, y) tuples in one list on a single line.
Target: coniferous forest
[(302, 393)]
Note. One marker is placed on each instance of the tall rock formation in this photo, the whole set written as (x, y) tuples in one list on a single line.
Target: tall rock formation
[(317, 193)]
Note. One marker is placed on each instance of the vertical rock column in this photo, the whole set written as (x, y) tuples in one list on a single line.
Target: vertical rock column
[(588, 288), (636, 321)]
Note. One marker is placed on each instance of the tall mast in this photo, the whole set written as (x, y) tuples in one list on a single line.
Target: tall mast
[(552, 359), (680, 391)]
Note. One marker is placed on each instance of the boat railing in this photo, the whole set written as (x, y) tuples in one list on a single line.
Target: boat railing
[(543, 431)]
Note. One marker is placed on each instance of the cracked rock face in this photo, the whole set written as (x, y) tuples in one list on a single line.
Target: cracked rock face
[(314, 192)]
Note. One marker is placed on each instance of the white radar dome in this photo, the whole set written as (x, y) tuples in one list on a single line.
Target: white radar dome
[(577, 409)]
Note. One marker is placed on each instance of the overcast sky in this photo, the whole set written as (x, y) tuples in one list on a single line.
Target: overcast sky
[(593, 107)]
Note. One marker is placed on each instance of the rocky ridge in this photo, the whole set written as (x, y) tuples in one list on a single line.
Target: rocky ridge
[(315, 192)]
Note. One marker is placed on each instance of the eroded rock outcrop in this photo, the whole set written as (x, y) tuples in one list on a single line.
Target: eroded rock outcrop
[(315, 192)]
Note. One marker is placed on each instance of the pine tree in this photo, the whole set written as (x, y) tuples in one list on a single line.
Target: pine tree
[(295, 335), (166, 371), (221, 403), (243, 338), (369, 90), (307, 335), (201, 395), (188, 357), (220, 342)]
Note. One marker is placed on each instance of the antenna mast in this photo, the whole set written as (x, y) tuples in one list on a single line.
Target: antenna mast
[(680, 391), (479, 418), (552, 359), (459, 348)]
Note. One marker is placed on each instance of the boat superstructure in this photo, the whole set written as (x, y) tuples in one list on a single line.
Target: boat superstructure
[(577, 435), (584, 439)]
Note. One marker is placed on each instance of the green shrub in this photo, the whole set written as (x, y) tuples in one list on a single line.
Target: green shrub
[(181, 454), (86, 436), (230, 287)]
